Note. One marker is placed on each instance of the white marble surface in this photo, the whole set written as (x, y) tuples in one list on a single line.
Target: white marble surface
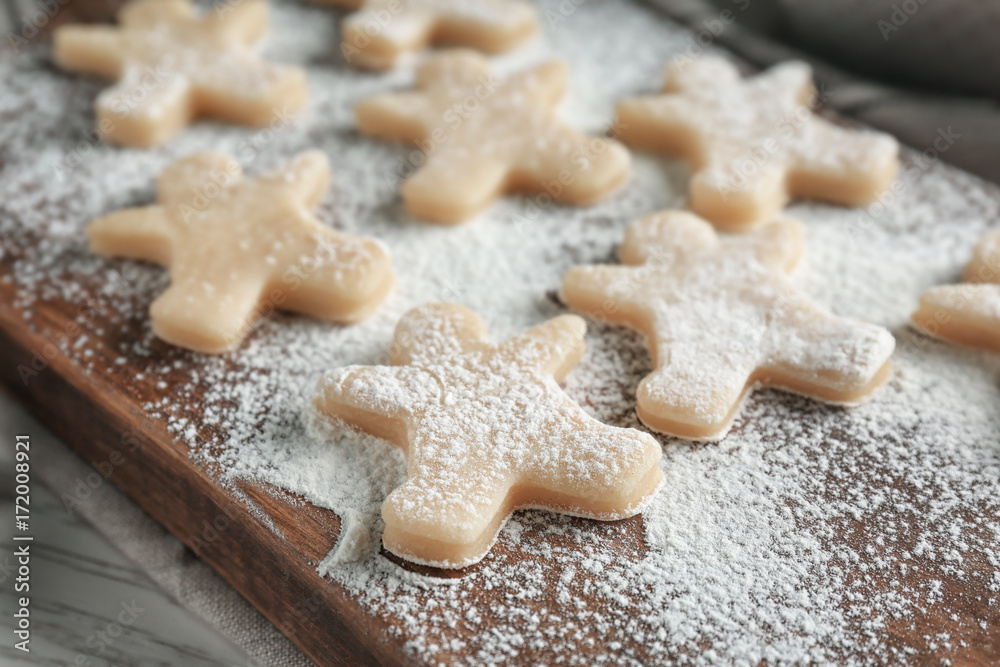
[(79, 584)]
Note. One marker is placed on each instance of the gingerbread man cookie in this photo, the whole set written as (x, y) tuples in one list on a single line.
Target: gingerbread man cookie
[(721, 317), (483, 136), (487, 430), (381, 32), (968, 314), (754, 143), (173, 66), (239, 249)]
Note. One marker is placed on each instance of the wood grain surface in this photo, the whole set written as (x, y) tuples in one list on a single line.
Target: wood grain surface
[(267, 542)]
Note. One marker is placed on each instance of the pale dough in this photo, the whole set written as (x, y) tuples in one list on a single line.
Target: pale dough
[(382, 32), (754, 143), (240, 248), (969, 313), (487, 430), (173, 66), (721, 316), (483, 136)]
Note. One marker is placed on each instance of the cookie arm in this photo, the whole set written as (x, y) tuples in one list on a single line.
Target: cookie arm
[(135, 233), (357, 394), (968, 314), (843, 166), (337, 278), (450, 189), (145, 108), (598, 470), (571, 167), (395, 116), (405, 32), (209, 317), (88, 49), (600, 291), (256, 94), (490, 30), (832, 358), (242, 22)]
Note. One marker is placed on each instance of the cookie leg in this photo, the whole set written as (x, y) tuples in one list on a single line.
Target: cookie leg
[(449, 192), (147, 107), (272, 95), (210, 318), (694, 393), (842, 166), (831, 358)]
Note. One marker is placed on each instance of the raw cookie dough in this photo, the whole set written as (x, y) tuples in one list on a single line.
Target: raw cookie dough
[(381, 32), (487, 430), (752, 144), (484, 136), (239, 249), (721, 317), (173, 66), (968, 314)]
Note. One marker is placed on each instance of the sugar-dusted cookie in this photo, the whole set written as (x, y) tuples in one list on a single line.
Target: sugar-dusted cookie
[(487, 430), (238, 249), (381, 32), (173, 66), (484, 136), (969, 313), (754, 143), (721, 317)]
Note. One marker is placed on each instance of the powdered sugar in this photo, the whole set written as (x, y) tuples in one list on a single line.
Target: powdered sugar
[(808, 534)]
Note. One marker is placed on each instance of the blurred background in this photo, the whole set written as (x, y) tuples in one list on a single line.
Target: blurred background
[(912, 68)]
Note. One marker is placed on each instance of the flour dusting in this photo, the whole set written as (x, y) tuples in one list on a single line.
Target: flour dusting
[(809, 535)]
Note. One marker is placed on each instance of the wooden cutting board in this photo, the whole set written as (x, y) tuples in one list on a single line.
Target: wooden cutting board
[(73, 366)]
